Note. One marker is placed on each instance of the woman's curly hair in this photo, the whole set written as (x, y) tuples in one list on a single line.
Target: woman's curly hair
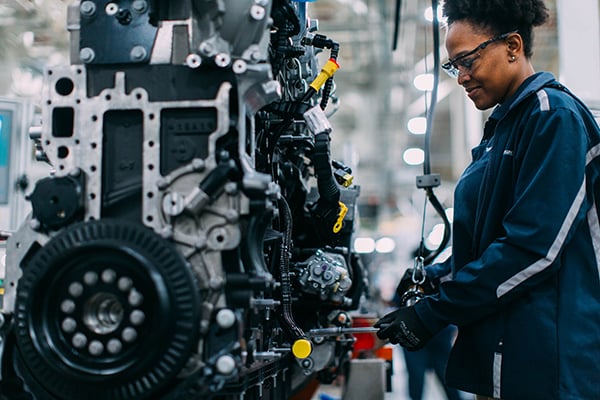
[(500, 16)]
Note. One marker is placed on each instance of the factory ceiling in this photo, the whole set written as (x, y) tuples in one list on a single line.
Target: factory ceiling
[(374, 83)]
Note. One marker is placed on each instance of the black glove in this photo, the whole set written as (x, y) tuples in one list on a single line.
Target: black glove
[(404, 327), (406, 283)]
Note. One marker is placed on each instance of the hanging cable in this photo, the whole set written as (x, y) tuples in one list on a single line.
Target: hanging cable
[(428, 181), (397, 18)]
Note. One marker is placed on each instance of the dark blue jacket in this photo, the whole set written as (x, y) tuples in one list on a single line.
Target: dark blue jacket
[(525, 287)]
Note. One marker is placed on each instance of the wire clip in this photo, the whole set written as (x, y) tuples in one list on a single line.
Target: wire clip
[(428, 181)]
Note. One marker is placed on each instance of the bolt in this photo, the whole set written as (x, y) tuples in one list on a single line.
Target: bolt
[(137, 317), (193, 61), (68, 325), (75, 289), (215, 283), (239, 66), (125, 284), (67, 306), (222, 60), (138, 53), (135, 298), (225, 364), (90, 278), (114, 346), (111, 9), (257, 12), (87, 55), (87, 8), (318, 339), (255, 55), (96, 348), (342, 318), (173, 204), (139, 6), (129, 335), (79, 340), (109, 276), (206, 48), (225, 318)]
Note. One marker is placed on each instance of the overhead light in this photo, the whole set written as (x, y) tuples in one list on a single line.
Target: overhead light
[(429, 14), (28, 39), (436, 236), (364, 245), (385, 245), (424, 82), (414, 156), (417, 125)]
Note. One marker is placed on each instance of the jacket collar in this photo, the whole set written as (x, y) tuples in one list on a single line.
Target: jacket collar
[(531, 85)]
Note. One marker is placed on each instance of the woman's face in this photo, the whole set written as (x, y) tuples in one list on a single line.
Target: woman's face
[(489, 75)]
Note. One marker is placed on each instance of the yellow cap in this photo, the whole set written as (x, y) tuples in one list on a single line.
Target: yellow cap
[(302, 348), (326, 72)]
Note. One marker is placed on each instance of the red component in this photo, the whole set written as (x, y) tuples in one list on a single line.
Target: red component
[(365, 342)]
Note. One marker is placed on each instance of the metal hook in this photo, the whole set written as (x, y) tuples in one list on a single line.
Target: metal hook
[(418, 273)]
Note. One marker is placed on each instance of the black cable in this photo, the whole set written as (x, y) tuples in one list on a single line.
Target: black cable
[(328, 87), (428, 186), (396, 24), (285, 215), (447, 228), (434, 91)]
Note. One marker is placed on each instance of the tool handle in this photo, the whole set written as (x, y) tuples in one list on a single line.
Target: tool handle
[(337, 331)]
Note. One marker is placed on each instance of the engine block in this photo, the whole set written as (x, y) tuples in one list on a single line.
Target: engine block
[(195, 228)]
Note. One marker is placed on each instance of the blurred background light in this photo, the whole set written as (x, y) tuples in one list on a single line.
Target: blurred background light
[(417, 125), (385, 245), (413, 156), (364, 245), (28, 38), (429, 14), (435, 236), (424, 82)]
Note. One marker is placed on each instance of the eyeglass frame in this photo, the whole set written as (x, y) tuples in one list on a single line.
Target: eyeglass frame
[(450, 66)]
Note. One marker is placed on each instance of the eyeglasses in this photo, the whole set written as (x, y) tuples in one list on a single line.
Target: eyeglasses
[(454, 65)]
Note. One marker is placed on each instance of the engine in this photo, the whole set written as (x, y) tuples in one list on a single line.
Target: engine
[(195, 228)]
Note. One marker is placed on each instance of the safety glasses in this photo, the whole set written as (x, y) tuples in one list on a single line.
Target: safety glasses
[(464, 63)]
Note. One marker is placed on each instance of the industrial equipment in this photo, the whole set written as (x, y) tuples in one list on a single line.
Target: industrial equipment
[(193, 240)]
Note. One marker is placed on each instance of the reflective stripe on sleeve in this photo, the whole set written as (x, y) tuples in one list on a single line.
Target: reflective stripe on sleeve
[(546, 261), (594, 226), (497, 378), (543, 99)]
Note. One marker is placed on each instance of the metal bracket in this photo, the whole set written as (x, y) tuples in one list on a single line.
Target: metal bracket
[(428, 181)]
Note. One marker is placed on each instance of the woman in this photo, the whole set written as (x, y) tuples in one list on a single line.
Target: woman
[(525, 287)]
